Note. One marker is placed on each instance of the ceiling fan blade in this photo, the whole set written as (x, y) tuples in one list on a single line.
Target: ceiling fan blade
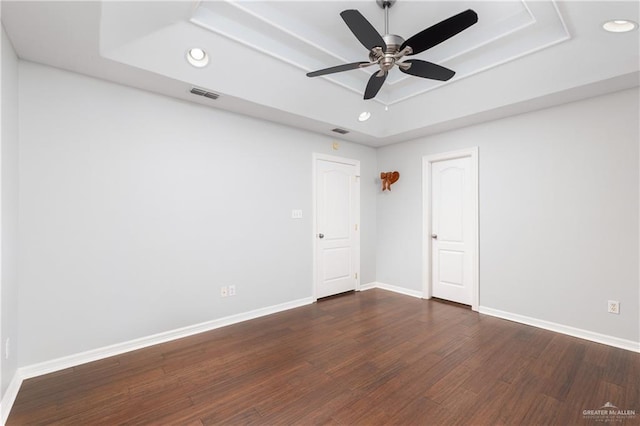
[(362, 29), (374, 85), (339, 68), (426, 69), (441, 31)]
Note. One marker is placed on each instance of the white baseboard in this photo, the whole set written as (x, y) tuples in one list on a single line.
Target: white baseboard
[(132, 345), (57, 364), (9, 396), (368, 286), (394, 288), (617, 342)]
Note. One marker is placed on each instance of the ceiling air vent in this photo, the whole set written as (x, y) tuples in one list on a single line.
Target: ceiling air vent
[(339, 130), (202, 92)]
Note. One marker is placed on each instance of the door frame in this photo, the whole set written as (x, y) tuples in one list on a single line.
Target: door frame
[(427, 162), (356, 242)]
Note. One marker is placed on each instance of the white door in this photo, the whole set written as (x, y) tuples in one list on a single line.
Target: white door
[(452, 230), (337, 211)]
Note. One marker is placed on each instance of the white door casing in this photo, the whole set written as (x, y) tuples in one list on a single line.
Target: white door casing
[(336, 220), (450, 227)]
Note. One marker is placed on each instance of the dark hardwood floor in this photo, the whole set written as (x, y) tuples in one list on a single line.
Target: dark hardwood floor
[(368, 358)]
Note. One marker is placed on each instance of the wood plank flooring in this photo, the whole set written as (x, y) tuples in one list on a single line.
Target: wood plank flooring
[(369, 358)]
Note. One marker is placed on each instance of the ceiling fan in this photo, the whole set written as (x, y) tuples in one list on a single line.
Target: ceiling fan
[(390, 49)]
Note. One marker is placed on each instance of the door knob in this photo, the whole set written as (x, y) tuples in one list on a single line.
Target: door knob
[(434, 236), (320, 235)]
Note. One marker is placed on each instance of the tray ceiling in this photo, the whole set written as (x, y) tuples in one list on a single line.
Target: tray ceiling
[(521, 55), (310, 38)]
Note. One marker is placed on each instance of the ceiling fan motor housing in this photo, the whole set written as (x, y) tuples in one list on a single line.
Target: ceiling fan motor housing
[(393, 42), (387, 59)]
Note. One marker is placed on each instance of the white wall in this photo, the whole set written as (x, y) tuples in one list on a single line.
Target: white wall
[(137, 208), (9, 212), (558, 213)]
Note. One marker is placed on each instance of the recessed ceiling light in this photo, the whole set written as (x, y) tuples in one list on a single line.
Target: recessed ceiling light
[(364, 116), (619, 26), (197, 57)]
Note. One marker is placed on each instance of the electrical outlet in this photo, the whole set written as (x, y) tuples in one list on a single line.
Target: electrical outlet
[(232, 290), (613, 307), (6, 348), (224, 291)]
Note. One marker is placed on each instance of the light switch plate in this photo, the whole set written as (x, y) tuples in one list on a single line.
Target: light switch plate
[(296, 214)]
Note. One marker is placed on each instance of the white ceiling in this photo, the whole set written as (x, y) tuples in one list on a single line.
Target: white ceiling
[(520, 56)]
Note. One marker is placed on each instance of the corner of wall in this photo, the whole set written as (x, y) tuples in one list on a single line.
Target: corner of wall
[(8, 214)]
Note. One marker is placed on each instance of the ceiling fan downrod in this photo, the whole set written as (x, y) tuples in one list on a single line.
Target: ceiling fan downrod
[(386, 5)]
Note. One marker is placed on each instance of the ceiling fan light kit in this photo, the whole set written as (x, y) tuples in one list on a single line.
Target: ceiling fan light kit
[(389, 50)]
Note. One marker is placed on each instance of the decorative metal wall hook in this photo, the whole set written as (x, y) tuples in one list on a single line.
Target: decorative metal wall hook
[(389, 178)]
